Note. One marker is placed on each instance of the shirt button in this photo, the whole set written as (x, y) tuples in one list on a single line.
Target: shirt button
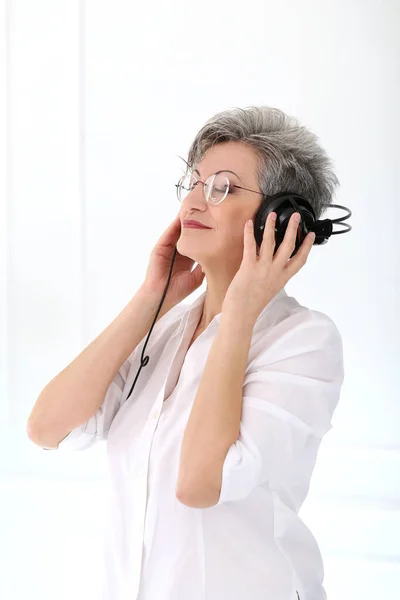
[(154, 415)]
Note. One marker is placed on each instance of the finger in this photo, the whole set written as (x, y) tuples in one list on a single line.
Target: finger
[(268, 242), (198, 276), (176, 223), (300, 258), (169, 235), (249, 242), (288, 244)]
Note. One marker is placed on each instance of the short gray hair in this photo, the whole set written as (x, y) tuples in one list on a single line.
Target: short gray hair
[(290, 157)]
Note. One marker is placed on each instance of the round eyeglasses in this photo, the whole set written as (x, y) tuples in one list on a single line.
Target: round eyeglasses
[(215, 188)]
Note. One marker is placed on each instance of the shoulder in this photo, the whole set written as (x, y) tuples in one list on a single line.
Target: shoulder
[(287, 313), (290, 328)]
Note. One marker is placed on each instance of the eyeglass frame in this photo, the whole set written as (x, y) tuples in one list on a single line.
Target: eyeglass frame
[(178, 185)]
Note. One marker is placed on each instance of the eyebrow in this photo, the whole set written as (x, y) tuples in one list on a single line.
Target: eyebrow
[(222, 171)]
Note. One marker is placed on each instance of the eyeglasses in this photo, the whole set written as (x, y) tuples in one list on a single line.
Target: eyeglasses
[(215, 188)]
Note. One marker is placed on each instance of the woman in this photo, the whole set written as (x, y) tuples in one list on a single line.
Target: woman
[(212, 454)]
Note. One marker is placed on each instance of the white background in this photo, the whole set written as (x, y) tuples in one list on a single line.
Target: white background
[(98, 99)]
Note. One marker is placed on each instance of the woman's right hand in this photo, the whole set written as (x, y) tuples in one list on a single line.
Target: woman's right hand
[(183, 281)]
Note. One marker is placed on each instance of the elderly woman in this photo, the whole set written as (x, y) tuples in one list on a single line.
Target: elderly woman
[(212, 454)]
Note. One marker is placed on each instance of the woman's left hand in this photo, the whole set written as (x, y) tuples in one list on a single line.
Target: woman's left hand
[(260, 278)]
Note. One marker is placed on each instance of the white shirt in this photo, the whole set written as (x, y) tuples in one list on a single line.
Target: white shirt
[(252, 544)]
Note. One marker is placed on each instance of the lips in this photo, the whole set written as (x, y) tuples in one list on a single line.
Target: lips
[(194, 224)]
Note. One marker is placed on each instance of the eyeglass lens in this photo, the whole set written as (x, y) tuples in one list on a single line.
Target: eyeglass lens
[(215, 187)]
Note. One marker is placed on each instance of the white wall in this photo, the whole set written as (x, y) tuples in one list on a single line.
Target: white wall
[(98, 98)]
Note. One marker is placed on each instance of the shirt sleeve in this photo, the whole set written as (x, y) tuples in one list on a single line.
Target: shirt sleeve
[(289, 396), (96, 428)]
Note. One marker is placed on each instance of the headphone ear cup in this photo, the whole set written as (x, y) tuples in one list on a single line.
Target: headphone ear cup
[(283, 212), (267, 206)]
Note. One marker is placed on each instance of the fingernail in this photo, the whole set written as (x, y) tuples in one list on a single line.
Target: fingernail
[(297, 218)]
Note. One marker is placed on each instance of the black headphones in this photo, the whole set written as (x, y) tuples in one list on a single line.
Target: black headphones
[(284, 204)]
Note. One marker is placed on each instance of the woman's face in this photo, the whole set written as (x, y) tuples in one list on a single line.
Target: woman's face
[(221, 246)]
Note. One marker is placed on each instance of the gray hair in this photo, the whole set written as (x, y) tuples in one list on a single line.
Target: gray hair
[(290, 157)]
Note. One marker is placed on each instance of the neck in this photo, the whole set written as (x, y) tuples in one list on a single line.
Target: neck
[(218, 278), (213, 301)]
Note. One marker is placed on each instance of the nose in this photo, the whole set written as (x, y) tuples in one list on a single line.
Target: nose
[(196, 198), (198, 191)]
